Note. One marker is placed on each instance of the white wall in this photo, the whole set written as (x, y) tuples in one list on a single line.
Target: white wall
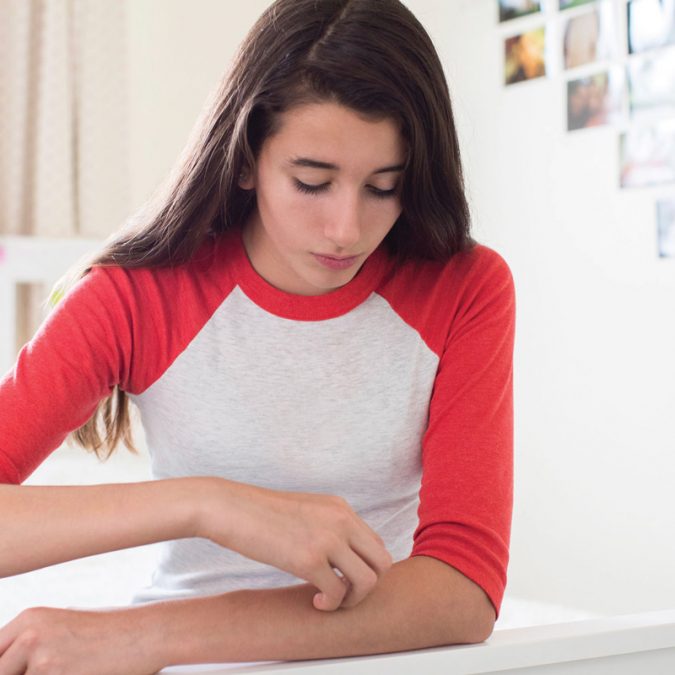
[(595, 364)]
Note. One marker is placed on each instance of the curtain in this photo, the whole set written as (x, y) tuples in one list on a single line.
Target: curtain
[(63, 117)]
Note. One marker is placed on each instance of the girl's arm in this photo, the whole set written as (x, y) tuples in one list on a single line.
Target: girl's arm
[(421, 602), (43, 526), (305, 534)]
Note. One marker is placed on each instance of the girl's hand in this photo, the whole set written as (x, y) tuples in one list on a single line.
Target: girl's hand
[(309, 535), (67, 642)]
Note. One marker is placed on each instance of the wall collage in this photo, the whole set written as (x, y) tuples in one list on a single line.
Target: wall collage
[(617, 58)]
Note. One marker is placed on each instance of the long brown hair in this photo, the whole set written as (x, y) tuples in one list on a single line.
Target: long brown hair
[(370, 55)]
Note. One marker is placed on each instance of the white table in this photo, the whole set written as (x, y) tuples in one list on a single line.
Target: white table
[(619, 645)]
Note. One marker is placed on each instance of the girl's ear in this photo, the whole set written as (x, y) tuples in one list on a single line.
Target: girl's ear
[(246, 181)]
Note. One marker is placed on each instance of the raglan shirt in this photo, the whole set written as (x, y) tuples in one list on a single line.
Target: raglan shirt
[(393, 391)]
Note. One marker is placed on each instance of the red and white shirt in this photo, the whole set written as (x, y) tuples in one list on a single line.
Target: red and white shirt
[(393, 391)]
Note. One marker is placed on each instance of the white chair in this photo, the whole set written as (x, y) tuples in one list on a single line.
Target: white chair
[(31, 260)]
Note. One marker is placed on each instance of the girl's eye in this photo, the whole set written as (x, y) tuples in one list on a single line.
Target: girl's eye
[(382, 194), (306, 188), (310, 189)]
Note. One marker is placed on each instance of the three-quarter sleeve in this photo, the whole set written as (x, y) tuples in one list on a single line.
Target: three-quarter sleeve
[(466, 493), (74, 360)]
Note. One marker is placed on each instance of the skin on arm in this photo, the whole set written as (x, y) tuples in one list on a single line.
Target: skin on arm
[(420, 602), (46, 525), (309, 535)]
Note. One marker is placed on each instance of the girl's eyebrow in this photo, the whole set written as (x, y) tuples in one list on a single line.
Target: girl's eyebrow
[(316, 164)]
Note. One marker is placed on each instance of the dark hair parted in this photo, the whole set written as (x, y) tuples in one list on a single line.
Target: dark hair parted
[(372, 56)]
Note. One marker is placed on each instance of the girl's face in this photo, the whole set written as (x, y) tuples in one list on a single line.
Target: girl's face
[(327, 187)]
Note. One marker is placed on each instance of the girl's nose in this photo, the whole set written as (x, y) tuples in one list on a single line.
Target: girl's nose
[(343, 227)]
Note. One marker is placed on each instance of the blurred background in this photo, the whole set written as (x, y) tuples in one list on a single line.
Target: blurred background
[(97, 99)]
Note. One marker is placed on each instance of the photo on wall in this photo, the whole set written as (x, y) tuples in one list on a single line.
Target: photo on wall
[(648, 155), (590, 37), (524, 56), (651, 84), (665, 218), (566, 4), (651, 24), (513, 9), (595, 100)]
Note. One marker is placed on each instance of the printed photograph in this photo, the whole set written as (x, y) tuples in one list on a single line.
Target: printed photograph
[(590, 37), (566, 4), (665, 218), (651, 24), (512, 9), (651, 84), (595, 100), (524, 56), (648, 155)]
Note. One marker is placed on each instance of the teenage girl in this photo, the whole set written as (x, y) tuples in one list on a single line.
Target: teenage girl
[(322, 359)]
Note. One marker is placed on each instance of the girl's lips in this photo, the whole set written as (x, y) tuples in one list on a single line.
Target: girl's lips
[(336, 263)]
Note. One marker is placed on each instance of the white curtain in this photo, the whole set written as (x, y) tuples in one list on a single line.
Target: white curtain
[(63, 117)]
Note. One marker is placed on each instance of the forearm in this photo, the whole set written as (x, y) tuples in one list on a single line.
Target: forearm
[(420, 602), (46, 525)]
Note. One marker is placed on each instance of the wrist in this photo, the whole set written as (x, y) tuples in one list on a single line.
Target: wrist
[(159, 641), (141, 635), (186, 503), (212, 509)]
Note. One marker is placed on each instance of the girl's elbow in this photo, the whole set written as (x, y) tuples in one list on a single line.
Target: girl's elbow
[(481, 623)]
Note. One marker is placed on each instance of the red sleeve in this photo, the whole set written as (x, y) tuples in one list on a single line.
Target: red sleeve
[(115, 327), (467, 453), (75, 359)]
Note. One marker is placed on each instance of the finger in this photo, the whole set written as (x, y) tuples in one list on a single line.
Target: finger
[(360, 576), (332, 589), (372, 550), (14, 660), (8, 634), (367, 535)]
